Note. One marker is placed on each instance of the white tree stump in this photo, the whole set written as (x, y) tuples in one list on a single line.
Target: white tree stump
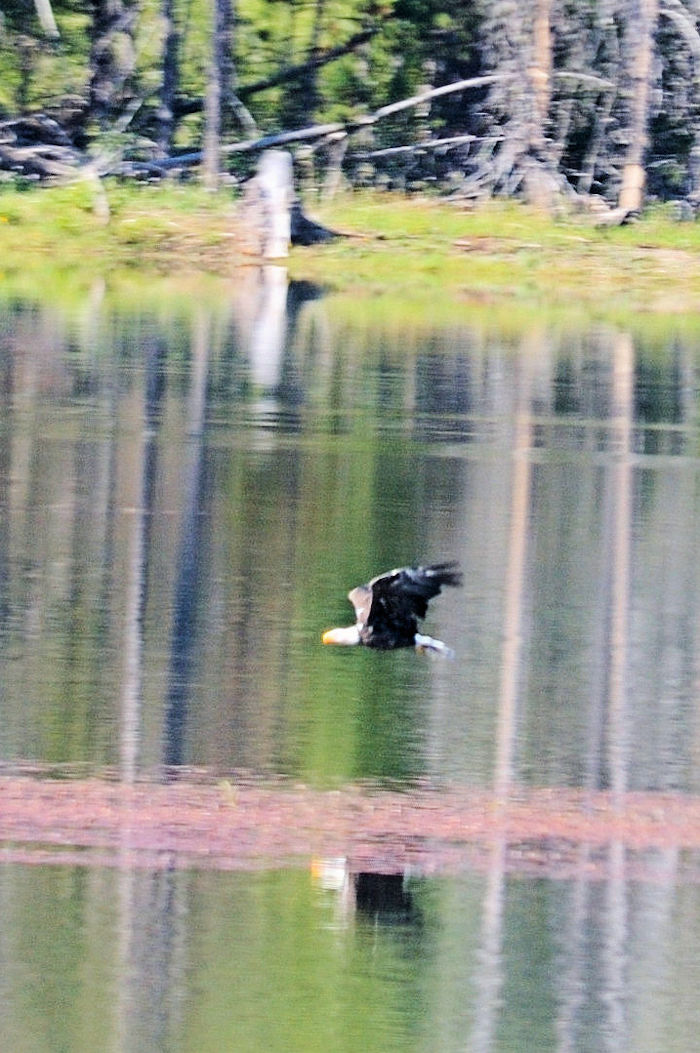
[(266, 207)]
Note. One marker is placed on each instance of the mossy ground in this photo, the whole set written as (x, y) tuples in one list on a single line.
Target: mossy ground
[(429, 254)]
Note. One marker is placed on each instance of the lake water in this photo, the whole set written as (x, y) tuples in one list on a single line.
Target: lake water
[(186, 496)]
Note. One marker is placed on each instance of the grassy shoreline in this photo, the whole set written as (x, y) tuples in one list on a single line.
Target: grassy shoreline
[(431, 253)]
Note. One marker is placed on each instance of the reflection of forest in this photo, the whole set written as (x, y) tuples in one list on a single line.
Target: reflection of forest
[(185, 502), (599, 898)]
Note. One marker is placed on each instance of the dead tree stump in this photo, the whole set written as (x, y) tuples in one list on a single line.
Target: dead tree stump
[(270, 216), (266, 205)]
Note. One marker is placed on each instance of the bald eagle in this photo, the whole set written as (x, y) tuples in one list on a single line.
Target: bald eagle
[(389, 606)]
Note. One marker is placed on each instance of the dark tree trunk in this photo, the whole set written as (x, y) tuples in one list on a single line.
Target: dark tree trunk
[(171, 77), (223, 110), (112, 58), (309, 84), (224, 29)]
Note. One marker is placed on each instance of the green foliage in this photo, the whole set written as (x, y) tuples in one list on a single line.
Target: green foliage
[(413, 44), (271, 35), (503, 264), (36, 73)]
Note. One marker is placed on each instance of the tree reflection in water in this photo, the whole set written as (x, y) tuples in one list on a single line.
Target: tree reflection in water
[(183, 499)]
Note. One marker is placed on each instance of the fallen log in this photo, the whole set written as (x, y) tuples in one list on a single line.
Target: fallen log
[(45, 161), (262, 143), (321, 131), (415, 148)]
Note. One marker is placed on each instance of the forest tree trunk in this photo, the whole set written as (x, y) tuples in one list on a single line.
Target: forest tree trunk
[(112, 58), (225, 29), (212, 127), (44, 12), (518, 50), (642, 57), (541, 70), (170, 80), (223, 110), (218, 86), (538, 183), (309, 84)]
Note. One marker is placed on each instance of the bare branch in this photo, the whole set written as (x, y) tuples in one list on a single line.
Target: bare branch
[(584, 78), (434, 93), (321, 58), (413, 148)]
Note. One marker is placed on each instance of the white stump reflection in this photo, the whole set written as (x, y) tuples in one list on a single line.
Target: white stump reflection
[(185, 499)]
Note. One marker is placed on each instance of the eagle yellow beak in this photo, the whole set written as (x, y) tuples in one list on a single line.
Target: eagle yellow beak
[(348, 636)]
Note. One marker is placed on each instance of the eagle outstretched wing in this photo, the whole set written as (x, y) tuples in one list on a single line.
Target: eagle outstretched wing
[(390, 605)]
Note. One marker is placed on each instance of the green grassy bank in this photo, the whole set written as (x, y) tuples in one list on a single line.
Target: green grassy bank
[(432, 254)]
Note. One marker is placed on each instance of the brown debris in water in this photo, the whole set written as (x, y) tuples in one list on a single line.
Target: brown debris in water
[(232, 825)]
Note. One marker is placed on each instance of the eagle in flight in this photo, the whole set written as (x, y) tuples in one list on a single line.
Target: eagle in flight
[(388, 607)]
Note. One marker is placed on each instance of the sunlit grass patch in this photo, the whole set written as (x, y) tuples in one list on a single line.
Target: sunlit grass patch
[(434, 255)]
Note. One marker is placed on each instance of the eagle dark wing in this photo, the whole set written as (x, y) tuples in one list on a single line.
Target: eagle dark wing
[(399, 598)]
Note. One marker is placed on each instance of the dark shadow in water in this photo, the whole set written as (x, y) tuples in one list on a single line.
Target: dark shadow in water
[(184, 634), (184, 609), (384, 897), (445, 397), (298, 294), (290, 386)]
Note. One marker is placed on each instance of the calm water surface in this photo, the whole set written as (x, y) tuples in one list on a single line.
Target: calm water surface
[(185, 500)]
